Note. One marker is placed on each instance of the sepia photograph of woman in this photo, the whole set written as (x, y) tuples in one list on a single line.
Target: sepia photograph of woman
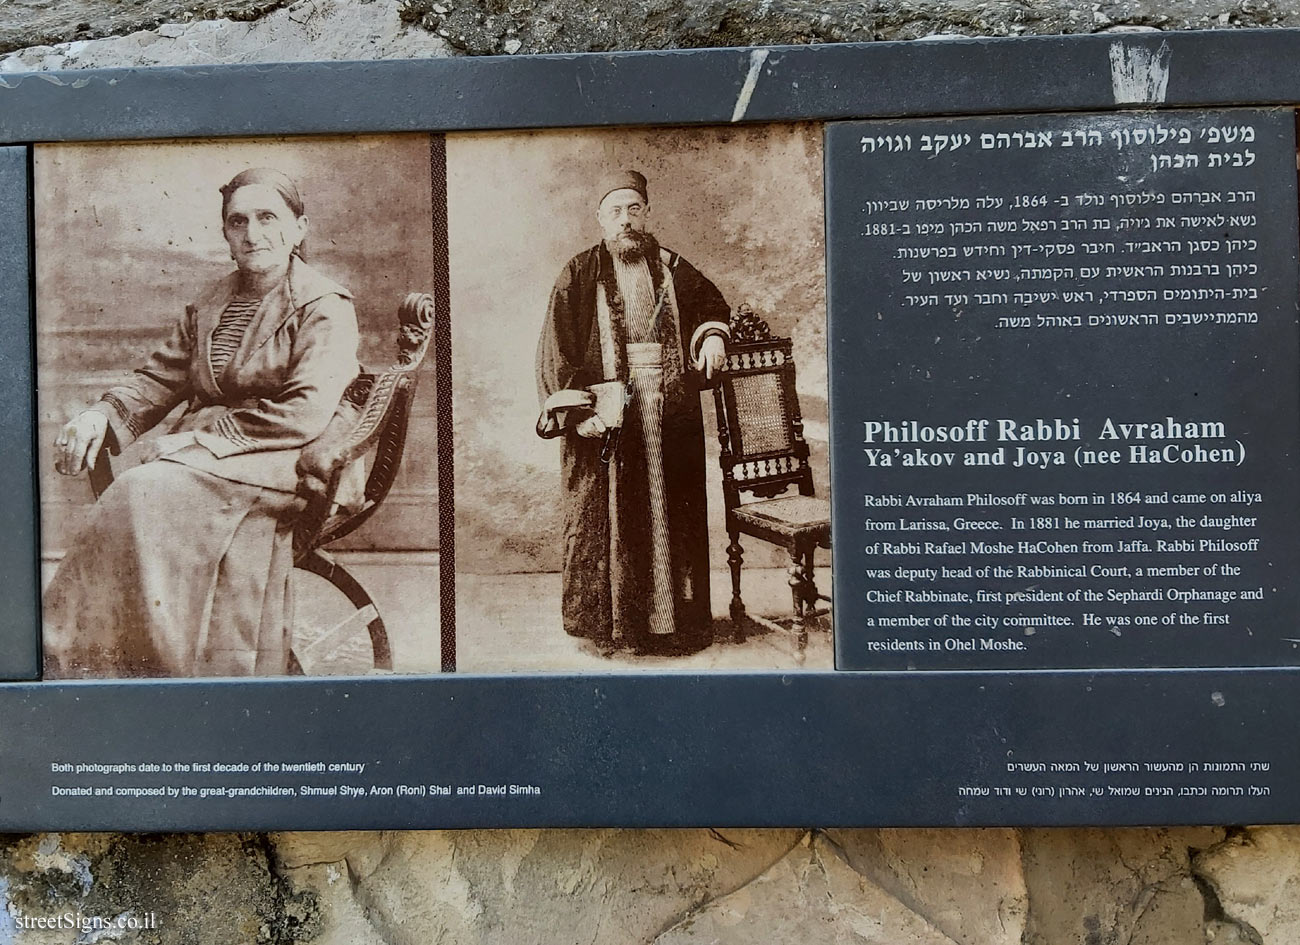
[(261, 364), (183, 566)]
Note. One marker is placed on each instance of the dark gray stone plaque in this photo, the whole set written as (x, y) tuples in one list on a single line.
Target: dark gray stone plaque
[(19, 639), (1064, 388)]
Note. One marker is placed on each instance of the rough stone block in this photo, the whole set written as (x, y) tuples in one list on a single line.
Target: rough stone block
[(810, 897), (1253, 881), (967, 883), (592, 886), (1092, 887), (308, 30)]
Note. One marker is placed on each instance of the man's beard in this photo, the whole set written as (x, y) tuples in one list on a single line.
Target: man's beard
[(631, 245)]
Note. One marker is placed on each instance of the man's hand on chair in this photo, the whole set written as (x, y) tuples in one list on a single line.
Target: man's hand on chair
[(713, 356)]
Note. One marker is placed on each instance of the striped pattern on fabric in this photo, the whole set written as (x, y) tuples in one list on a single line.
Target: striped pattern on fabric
[(236, 318), (225, 426), (637, 288), (645, 362), (132, 424)]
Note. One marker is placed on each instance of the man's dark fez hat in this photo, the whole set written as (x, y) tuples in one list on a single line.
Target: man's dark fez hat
[(625, 180)]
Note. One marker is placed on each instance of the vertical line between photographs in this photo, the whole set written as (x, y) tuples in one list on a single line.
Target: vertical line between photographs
[(443, 397)]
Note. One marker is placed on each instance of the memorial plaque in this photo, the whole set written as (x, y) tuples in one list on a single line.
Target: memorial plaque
[(690, 330), (1064, 377)]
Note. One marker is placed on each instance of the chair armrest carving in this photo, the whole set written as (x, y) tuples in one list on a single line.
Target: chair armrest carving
[(373, 411), (746, 325), (342, 441)]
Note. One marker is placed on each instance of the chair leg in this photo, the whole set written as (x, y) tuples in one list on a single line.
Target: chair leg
[(338, 575), (810, 580), (735, 557), (799, 594)]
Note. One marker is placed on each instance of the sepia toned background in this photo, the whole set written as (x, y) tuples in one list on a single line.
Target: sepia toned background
[(744, 206), (127, 234)]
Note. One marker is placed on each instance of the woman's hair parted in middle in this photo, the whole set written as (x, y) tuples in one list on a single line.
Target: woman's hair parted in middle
[(269, 177)]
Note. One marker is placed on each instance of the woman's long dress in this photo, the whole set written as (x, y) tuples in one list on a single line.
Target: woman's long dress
[(183, 567)]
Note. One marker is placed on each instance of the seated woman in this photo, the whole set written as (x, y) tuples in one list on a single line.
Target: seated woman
[(183, 568)]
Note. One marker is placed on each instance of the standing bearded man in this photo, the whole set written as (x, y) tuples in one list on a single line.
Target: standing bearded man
[(632, 325)]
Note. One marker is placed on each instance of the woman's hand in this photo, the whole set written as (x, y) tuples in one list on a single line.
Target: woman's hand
[(79, 442), (591, 428)]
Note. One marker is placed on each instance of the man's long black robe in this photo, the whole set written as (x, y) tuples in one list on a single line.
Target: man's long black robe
[(608, 581)]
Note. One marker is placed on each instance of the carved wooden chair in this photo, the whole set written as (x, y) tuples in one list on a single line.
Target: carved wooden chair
[(374, 415), (764, 454)]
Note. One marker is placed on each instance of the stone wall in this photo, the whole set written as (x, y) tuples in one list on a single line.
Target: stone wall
[(1229, 886), (1182, 886)]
